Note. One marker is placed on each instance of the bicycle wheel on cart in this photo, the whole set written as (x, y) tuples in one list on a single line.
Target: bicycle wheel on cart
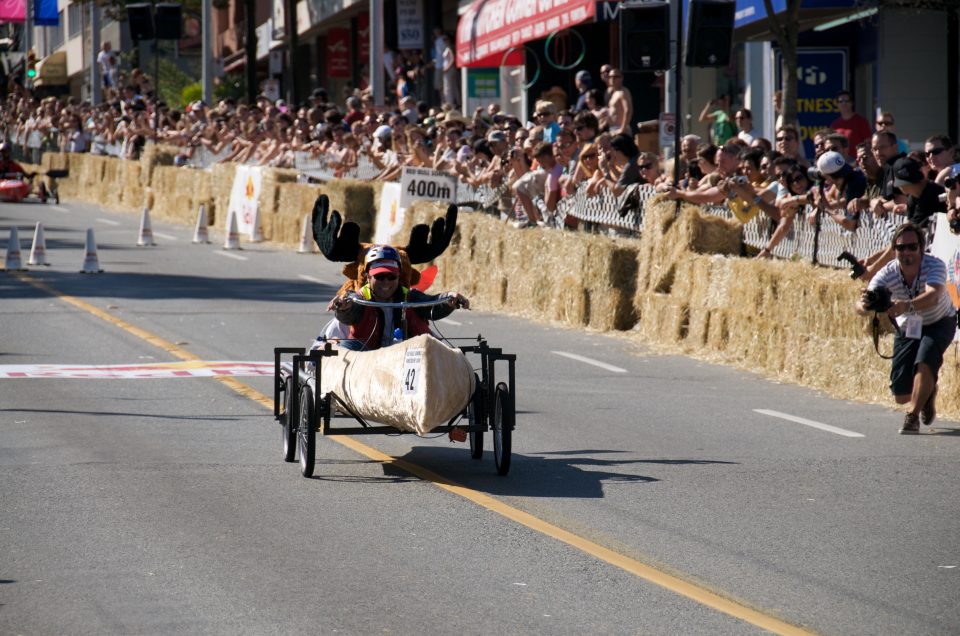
[(288, 421), (476, 418), (307, 432), (503, 420)]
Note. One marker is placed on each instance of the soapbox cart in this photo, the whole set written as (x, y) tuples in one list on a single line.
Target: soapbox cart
[(303, 409)]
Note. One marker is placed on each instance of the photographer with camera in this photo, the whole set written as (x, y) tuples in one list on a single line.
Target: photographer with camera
[(912, 291)]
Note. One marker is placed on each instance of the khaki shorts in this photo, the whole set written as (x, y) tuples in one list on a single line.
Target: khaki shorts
[(533, 184)]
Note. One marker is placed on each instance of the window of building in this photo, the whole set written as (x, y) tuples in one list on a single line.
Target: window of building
[(73, 17)]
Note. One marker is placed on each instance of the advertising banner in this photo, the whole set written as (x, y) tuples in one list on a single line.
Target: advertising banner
[(389, 214), (946, 247), (13, 11), (338, 52), (245, 198)]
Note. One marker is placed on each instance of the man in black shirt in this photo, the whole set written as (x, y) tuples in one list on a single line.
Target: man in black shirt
[(886, 152), (923, 195)]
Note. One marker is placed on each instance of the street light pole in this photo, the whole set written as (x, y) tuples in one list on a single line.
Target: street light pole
[(95, 81), (376, 52), (207, 65)]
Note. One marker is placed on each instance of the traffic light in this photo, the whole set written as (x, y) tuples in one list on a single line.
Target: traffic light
[(31, 65)]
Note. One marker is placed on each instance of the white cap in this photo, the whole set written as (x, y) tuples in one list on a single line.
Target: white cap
[(383, 132), (831, 162)]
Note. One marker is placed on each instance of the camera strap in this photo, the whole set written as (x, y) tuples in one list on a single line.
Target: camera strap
[(876, 335)]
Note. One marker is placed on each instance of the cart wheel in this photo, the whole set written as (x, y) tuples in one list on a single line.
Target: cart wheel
[(503, 418), (476, 417), (307, 432), (288, 432)]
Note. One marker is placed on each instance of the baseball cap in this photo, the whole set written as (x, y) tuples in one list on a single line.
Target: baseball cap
[(383, 132), (906, 171), (831, 163), (496, 135), (384, 265)]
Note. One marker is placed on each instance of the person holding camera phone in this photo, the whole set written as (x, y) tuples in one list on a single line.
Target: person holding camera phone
[(926, 321)]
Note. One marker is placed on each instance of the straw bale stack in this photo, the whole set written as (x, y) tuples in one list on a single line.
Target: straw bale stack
[(576, 279)]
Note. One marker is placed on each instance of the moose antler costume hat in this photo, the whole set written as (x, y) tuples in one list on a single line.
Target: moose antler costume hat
[(340, 242)]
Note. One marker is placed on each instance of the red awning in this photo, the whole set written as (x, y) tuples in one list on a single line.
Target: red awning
[(489, 28)]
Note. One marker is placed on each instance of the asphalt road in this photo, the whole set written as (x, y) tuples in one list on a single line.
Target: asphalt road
[(163, 506)]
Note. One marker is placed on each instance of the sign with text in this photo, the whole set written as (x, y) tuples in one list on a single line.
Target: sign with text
[(821, 74), (946, 247), (409, 24), (389, 215), (423, 183), (338, 52)]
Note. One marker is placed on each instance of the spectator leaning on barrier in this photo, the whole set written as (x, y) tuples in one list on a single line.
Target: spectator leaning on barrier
[(712, 190), (891, 199), (747, 199), (533, 185), (623, 156), (926, 323), (940, 154), (792, 196), (844, 188)]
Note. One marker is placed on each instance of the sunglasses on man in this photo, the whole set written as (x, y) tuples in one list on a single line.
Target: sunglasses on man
[(907, 247)]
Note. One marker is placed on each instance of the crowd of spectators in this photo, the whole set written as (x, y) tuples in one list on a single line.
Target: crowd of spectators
[(579, 145)]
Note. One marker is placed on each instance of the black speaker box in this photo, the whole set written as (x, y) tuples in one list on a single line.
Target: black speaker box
[(140, 19), (168, 21), (710, 32), (645, 36)]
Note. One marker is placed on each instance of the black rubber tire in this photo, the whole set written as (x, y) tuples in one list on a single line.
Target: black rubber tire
[(476, 417), (288, 421), (503, 420), (307, 432)]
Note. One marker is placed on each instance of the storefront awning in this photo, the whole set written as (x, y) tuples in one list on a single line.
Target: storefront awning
[(490, 28), (52, 70)]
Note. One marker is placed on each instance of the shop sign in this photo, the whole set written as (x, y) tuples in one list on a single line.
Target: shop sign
[(338, 52)]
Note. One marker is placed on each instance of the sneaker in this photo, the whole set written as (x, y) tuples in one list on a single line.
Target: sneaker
[(911, 424), (929, 411)]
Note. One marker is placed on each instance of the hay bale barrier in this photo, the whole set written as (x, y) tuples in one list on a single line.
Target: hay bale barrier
[(682, 287)]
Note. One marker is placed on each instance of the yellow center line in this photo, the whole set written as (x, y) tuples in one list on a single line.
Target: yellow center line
[(647, 572)]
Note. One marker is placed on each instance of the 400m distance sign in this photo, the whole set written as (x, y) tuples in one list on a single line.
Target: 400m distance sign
[(423, 183)]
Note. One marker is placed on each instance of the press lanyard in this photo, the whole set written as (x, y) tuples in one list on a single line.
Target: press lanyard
[(912, 290)]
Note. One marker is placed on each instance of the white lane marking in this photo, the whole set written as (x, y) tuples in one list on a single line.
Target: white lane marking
[(451, 322), (167, 237), (155, 370), (231, 255), (312, 279), (810, 423), (59, 208), (109, 222), (596, 363)]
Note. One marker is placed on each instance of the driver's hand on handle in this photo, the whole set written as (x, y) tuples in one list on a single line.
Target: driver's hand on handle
[(458, 300), (340, 303)]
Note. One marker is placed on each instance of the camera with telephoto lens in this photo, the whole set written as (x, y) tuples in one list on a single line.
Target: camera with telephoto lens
[(878, 300), (740, 180), (856, 269), (814, 175)]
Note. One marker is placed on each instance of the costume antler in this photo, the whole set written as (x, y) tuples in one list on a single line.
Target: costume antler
[(336, 243), (422, 250)]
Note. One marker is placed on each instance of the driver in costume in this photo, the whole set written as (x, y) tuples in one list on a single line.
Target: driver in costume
[(370, 328)]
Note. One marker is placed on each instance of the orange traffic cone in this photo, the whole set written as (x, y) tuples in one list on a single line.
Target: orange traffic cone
[(200, 234), (91, 264), (38, 251), (146, 232), (306, 240), (233, 235), (13, 261)]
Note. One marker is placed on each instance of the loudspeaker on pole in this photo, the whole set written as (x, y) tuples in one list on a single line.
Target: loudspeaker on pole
[(645, 36), (710, 32)]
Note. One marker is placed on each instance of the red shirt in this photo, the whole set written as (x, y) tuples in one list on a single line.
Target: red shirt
[(855, 129)]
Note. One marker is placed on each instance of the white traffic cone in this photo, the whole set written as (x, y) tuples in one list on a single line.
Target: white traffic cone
[(233, 235), (200, 234), (256, 235), (306, 240), (38, 252), (146, 232), (13, 261), (91, 264)]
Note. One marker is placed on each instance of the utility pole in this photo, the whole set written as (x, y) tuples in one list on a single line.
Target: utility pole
[(250, 9), (376, 52), (293, 41), (206, 18), (96, 83)]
